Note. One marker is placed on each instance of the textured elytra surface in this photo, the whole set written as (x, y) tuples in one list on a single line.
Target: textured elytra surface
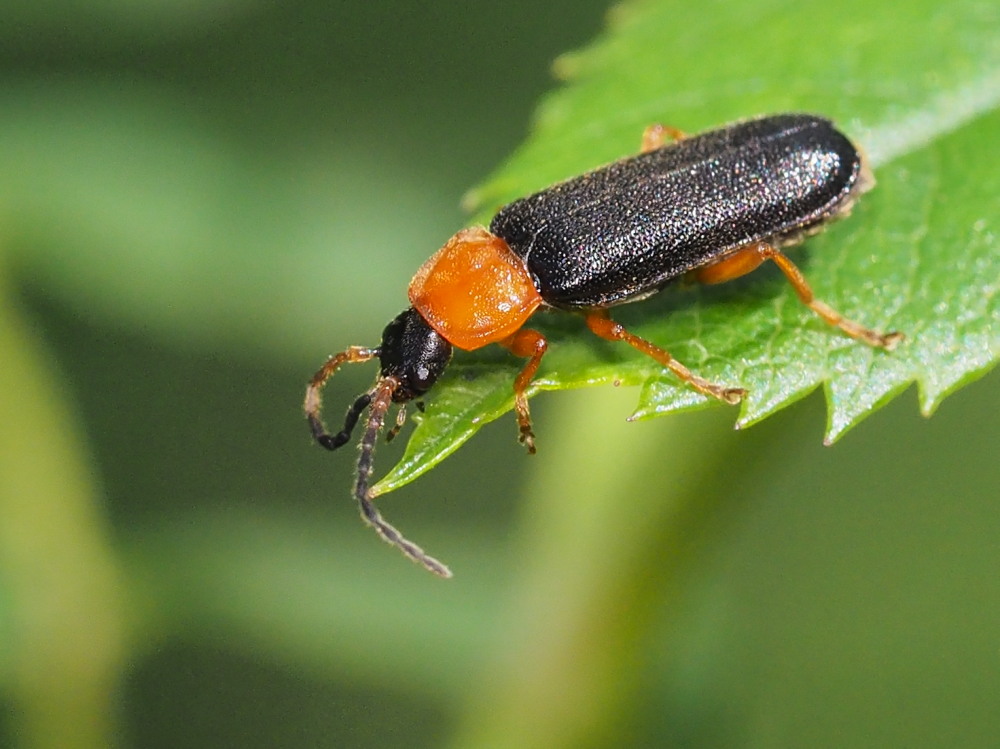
[(919, 253), (625, 229)]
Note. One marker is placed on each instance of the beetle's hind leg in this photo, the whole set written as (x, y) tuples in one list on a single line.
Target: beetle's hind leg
[(747, 258), (601, 324)]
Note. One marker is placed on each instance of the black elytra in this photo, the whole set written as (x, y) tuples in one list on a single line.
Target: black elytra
[(623, 231)]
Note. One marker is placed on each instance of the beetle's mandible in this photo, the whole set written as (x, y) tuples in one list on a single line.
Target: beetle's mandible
[(710, 207)]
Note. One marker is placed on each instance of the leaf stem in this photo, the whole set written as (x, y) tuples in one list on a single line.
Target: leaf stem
[(62, 598), (606, 499)]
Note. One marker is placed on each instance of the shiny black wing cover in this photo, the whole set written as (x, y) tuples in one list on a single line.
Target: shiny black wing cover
[(624, 230)]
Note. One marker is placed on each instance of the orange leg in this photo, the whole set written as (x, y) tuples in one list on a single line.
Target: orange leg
[(747, 258), (655, 136), (602, 325), (530, 343)]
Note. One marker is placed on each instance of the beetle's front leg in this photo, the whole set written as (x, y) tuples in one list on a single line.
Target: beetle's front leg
[(530, 343)]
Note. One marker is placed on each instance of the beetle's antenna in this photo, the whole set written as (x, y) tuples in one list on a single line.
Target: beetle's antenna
[(314, 400), (350, 421), (380, 396)]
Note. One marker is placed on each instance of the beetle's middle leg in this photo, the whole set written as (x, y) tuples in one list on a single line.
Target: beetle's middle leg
[(746, 259), (601, 324)]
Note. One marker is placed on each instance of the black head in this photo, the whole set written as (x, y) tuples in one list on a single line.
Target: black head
[(414, 354)]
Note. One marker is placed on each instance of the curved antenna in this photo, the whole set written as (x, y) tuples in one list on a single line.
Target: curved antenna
[(314, 400), (350, 421), (380, 397)]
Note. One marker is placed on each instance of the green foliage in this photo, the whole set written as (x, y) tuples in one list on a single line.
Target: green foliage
[(919, 254)]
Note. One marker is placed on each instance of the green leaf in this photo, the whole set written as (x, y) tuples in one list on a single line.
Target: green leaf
[(918, 85)]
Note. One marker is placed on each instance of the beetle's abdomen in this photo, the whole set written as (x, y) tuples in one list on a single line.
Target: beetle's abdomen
[(626, 229)]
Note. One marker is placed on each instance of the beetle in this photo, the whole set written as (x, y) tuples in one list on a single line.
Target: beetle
[(711, 207)]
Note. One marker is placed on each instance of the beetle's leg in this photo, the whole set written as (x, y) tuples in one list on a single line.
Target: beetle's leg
[(314, 400), (747, 258), (531, 343), (655, 136), (602, 325)]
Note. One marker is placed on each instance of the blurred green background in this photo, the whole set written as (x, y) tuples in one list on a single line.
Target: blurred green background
[(198, 203)]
